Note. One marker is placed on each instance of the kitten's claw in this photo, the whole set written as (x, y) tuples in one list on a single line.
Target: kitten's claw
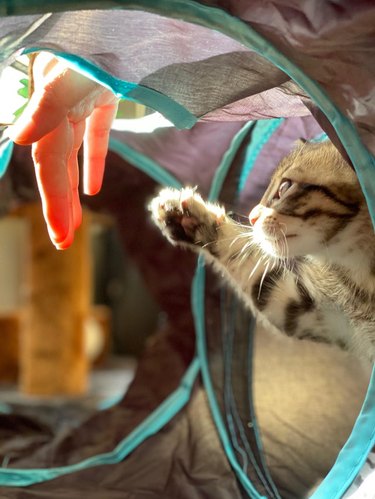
[(184, 217)]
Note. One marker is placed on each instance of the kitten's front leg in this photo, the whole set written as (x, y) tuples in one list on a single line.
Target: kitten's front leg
[(186, 220)]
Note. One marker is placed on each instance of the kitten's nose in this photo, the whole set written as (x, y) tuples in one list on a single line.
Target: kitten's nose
[(255, 214)]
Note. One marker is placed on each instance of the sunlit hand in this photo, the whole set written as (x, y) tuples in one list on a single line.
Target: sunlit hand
[(65, 110)]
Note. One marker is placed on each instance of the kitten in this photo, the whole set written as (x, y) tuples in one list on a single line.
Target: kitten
[(306, 265)]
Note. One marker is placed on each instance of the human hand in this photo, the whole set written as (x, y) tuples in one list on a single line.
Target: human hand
[(66, 109)]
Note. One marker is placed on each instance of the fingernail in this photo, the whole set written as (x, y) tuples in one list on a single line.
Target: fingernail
[(66, 243)]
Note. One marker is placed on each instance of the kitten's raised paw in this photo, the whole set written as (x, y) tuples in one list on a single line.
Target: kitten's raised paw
[(184, 218)]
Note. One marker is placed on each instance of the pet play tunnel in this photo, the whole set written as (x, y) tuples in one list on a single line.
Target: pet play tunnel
[(240, 81)]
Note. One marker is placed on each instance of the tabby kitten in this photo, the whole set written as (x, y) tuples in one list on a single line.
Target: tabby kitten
[(306, 265)]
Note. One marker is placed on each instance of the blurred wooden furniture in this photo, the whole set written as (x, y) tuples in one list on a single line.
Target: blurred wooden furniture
[(9, 339), (53, 360), (13, 265)]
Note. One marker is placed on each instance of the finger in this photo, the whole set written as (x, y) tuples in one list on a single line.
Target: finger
[(50, 155), (73, 170), (96, 146), (65, 92)]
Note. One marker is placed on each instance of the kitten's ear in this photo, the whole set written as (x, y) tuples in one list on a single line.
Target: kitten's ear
[(299, 143)]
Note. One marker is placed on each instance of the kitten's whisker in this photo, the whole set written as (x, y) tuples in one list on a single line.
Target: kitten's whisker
[(262, 279), (233, 240), (254, 269), (284, 245), (274, 263), (236, 239), (208, 244), (246, 255), (245, 226), (245, 249)]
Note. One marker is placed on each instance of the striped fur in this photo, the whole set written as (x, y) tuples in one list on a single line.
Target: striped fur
[(306, 266)]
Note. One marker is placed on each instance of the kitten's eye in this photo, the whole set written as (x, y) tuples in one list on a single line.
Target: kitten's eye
[(284, 186)]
